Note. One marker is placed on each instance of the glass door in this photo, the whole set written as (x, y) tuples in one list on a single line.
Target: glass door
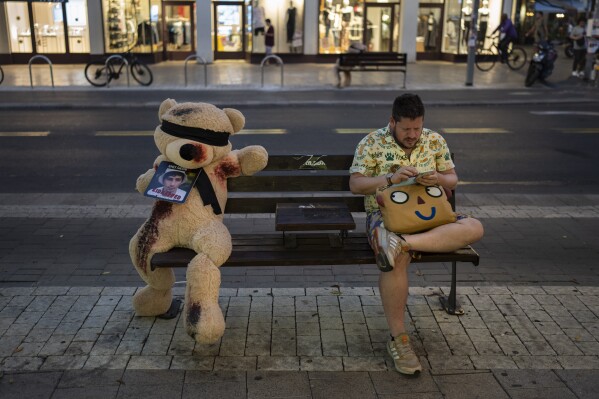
[(229, 23), (179, 29), (380, 27), (48, 24), (429, 33)]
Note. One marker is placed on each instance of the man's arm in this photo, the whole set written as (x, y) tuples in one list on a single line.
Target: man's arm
[(360, 184)]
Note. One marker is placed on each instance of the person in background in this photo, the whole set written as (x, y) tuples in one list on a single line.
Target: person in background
[(539, 28), (269, 38), (579, 47), (507, 35)]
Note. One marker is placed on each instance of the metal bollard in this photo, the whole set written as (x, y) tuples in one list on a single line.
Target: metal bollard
[(197, 57), (42, 57), (123, 60), (279, 62)]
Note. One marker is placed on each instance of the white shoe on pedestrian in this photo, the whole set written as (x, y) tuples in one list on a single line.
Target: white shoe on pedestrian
[(575, 74), (581, 74)]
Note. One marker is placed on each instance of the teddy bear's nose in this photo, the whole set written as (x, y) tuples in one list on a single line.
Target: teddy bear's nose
[(189, 152)]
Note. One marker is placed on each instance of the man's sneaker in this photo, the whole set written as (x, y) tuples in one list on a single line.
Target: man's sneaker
[(575, 74), (404, 358), (581, 74), (387, 246)]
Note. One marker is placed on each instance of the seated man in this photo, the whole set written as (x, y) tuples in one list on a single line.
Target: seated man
[(389, 156), (354, 48)]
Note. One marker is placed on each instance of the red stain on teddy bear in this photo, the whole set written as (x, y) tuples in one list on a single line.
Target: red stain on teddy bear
[(226, 169), (148, 233)]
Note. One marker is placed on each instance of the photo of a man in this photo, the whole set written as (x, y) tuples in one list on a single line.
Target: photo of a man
[(171, 179)]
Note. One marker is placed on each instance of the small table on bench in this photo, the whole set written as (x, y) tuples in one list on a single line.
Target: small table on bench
[(314, 216)]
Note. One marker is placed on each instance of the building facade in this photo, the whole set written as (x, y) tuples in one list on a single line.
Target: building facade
[(76, 31)]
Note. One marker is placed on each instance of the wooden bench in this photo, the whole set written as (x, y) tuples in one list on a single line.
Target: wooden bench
[(370, 62), (310, 197)]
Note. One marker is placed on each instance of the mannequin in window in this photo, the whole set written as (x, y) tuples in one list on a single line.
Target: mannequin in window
[(258, 19), (431, 32), (291, 14)]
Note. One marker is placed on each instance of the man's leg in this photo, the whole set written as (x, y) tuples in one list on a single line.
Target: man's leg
[(394, 294), (448, 237)]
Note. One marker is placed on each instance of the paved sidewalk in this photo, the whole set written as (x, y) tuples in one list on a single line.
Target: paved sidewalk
[(422, 75), (516, 341)]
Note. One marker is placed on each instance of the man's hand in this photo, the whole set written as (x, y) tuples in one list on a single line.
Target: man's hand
[(403, 174), (428, 180)]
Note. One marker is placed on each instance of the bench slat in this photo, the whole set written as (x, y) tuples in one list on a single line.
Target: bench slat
[(263, 203), (312, 249)]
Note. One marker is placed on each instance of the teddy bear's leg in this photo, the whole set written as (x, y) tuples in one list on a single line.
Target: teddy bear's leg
[(203, 317), (156, 298)]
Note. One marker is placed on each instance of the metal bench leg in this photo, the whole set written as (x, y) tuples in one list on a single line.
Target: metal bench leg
[(450, 303)]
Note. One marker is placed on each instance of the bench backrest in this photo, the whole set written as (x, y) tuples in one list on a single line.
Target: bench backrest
[(294, 178), (354, 59)]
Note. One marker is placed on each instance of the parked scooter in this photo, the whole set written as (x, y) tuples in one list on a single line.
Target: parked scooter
[(541, 64)]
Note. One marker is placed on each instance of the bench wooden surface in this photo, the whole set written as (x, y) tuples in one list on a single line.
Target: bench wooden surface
[(374, 62), (313, 225)]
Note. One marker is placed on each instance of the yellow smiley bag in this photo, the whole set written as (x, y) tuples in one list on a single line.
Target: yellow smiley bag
[(414, 208)]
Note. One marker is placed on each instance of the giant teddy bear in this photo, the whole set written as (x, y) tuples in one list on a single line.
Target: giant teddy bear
[(192, 135)]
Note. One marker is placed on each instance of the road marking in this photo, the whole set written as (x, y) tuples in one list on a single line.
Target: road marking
[(586, 130), (124, 133), (24, 134), (474, 130), (263, 131), (363, 131), (586, 113)]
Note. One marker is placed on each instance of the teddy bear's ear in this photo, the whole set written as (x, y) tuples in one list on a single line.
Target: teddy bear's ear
[(236, 117), (165, 106)]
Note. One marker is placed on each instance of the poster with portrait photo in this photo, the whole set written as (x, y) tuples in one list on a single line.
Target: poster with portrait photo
[(172, 182)]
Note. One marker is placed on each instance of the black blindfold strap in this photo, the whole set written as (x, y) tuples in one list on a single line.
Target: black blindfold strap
[(210, 137), (207, 193)]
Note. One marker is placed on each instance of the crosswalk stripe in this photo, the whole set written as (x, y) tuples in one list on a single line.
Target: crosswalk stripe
[(363, 131), (587, 130), (24, 134), (263, 131), (474, 130), (124, 133)]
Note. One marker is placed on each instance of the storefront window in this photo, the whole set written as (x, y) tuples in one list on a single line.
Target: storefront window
[(48, 23), (229, 28), (17, 17), (287, 18), (179, 26), (77, 23), (458, 20), (132, 25)]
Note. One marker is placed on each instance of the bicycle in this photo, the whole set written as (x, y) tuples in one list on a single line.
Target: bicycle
[(99, 74), (1, 75), (487, 57)]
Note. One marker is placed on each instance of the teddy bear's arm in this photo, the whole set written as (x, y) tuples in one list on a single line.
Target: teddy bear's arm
[(252, 159), (143, 180)]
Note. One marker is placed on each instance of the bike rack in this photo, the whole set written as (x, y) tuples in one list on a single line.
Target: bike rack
[(120, 57), (42, 57), (197, 57), (279, 62)]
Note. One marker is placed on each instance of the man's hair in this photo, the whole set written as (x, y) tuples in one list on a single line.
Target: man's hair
[(168, 174), (407, 106), (582, 19), (267, 20)]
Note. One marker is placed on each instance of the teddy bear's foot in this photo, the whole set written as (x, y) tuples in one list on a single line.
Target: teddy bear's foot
[(152, 302), (205, 324)]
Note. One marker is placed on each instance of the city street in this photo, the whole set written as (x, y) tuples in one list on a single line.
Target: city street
[(526, 161)]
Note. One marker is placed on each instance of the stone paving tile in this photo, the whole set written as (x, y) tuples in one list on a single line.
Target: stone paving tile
[(357, 385)]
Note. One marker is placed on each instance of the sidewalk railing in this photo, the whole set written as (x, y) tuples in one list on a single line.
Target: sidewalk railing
[(203, 61), (41, 57), (279, 62)]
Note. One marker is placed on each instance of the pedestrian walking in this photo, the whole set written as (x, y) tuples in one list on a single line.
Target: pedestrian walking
[(539, 28)]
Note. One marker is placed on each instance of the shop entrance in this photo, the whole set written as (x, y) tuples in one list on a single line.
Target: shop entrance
[(56, 27), (179, 29), (229, 23), (429, 33), (381, 27)]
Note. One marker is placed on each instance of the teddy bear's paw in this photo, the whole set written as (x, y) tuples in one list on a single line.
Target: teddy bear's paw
[(205, 325), (152, 302)]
